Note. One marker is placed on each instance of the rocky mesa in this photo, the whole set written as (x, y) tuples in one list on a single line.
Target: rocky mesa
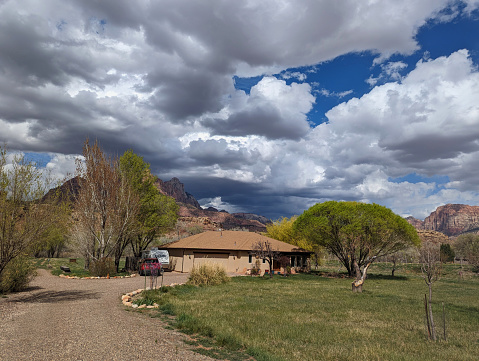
[(450, 219)]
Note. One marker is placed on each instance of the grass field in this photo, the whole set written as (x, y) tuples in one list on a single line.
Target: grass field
[(77, 268), (312, 317)]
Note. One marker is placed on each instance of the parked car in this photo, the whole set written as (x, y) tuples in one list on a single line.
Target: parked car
[(149, 265), (162, 255)]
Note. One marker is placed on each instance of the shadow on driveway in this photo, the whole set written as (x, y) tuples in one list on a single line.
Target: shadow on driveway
[(58, 296)]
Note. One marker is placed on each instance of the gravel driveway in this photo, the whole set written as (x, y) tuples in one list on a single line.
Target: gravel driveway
[(68, 319)]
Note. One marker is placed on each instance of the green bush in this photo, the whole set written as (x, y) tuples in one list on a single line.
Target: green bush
[(208, 275), (17, 275), (102, 267), (446, 253)]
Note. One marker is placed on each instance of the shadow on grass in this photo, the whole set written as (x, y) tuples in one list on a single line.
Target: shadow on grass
[(330, 274), (373, 276), (58, 296)]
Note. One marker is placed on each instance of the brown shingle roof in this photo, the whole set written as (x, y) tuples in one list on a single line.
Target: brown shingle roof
[(230, 240)]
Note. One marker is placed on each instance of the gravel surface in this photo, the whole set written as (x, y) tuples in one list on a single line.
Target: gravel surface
[(68, 319)]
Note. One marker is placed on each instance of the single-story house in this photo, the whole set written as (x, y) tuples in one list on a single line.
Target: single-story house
[(231, 249)]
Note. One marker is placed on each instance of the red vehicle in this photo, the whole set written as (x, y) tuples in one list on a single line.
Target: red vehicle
[(149, 266)]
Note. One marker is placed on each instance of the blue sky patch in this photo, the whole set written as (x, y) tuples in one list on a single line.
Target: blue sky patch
[(40, 159), (417, 178)]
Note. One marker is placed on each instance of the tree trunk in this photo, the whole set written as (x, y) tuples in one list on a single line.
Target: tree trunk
[(431, 319), (428, 326), (131, 263), (117, 264), (357, 285)]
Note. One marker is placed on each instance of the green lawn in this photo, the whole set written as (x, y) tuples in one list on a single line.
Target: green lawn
[(310, 317), (77, 268)]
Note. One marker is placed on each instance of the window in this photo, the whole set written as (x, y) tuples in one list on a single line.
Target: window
[(250, 258), (293, 261)]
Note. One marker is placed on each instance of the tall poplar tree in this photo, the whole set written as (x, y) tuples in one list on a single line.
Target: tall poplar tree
[(157, 213), (106, 206)]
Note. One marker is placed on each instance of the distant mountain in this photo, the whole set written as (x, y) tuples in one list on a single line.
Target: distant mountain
[(252, 217), (65, 192), (450, 219), (191, 212), (174, 188), (213, 220)]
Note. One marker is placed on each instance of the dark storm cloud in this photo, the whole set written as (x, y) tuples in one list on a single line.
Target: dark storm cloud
[(24, 56), (188, 93), (266, 121), (211, 152), (434, 146)]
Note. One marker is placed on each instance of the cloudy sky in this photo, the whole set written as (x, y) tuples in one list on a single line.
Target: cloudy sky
[(257, 106)]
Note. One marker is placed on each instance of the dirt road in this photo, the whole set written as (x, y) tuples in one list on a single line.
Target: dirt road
[(67, 319)]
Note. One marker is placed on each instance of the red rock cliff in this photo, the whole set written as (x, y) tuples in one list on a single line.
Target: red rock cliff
[(453, 219)]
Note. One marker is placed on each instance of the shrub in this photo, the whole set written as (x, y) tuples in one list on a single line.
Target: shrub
[(102, 267), (446, 253), (256, 270), (208, 275), (17, 275)]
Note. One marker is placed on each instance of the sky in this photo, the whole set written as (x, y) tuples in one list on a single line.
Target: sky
[(265, 107)]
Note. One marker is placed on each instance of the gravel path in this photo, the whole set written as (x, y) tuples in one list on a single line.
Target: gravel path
[(68, 319)]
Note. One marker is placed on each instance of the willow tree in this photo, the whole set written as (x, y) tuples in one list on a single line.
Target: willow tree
[(157, 213), (356, 233)]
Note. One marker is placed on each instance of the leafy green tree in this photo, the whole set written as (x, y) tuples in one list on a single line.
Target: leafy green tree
[(283, 230), (356, 233), (157, 214), (447, 253)]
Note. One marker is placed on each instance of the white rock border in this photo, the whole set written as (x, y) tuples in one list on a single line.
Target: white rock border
[(126, 299), (94, 278)]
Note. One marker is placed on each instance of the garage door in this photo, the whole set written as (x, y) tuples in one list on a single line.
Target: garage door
[(215, 258)]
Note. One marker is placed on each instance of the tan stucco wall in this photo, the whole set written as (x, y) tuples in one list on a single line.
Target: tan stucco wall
[(238, 261)]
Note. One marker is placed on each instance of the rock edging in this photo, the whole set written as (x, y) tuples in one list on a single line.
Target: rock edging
[(94, 278), (126, 299)]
